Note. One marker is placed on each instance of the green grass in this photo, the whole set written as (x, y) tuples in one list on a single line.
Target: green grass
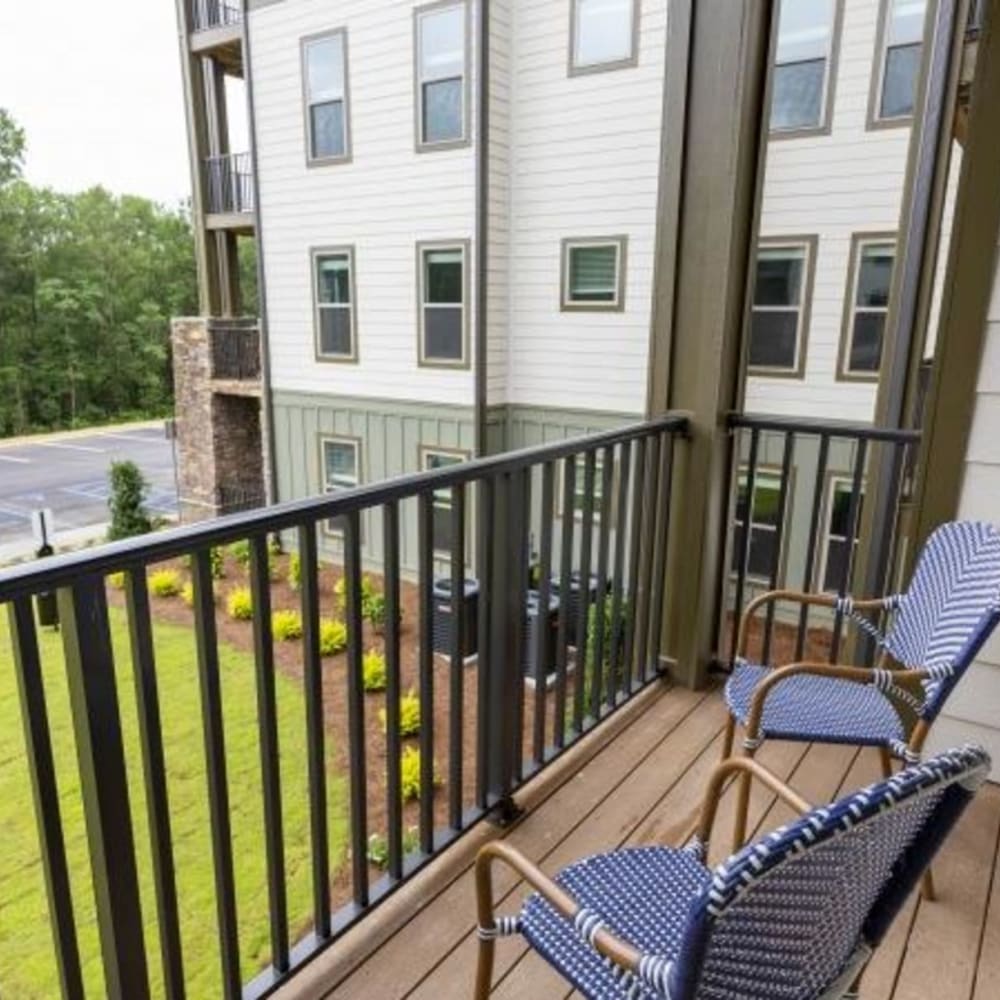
[(27, 967)]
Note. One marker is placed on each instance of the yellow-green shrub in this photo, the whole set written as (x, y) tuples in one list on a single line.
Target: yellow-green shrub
[(294, 571), (187, 594), (286, 625), (409, 715), (239, 604), (409, 774), (117, 580), (332, 637), (373, 672), (165, 583)]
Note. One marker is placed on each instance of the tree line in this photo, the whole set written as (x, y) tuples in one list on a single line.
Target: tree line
[(88, 284)]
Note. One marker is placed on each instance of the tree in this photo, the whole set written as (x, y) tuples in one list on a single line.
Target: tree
[(127, 502), (11, 148)]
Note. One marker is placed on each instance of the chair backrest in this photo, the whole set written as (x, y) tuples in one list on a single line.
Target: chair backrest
[(795, 913), (951, 607)]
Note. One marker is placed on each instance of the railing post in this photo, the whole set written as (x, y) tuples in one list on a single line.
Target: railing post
[(90, 671)]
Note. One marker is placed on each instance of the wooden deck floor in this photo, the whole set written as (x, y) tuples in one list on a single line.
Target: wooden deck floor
[(642, 782)]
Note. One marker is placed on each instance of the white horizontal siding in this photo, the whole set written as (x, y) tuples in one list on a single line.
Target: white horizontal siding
[(383, 202), (833, 186)]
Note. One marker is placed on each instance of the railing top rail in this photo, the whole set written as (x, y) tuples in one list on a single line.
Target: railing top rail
[(60, 570), (237, 158), (831, 428)]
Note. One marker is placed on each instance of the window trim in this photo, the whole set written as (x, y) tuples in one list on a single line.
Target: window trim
[(348, 154), (463, 455), (620, 242), (422, 247), (858, 240), (331, 437), (419, 145), (773, 471), (822, 557), (810, 242), (874, 121), (825, 125), (314, 254), (605, 67)]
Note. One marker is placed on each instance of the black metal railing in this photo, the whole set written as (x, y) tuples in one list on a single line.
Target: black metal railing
[(229, 183), (794, 522), (206, 14), (235, 348), (599, 509)]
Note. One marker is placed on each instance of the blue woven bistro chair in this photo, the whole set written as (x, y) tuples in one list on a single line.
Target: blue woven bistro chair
[(795, 916), (936, 629)]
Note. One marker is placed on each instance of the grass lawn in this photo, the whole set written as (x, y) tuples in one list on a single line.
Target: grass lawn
[(27, 967)]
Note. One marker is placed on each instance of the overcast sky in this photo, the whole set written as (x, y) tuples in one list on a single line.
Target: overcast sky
[(96, 85)]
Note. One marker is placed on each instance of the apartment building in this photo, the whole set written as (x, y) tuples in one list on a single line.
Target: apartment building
[(437, 289)]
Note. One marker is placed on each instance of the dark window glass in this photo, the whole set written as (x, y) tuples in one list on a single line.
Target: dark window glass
[(838, 551), (443, 333), (443, 111), (899, 84), (779, 277), (836, 559), (797, 95), (335, 331), (593, 273), (763, 549), (866, 342), (443, 276), (773, 336), (328, 129), (763, 552), (778, 293), (442, 521), (875, 275), (334, 279), (871, 300)]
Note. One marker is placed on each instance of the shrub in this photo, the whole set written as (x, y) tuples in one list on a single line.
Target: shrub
[(165, 583), (117, 580), (294, 571), (286, 625), (368, 591), (374, 610), (332, 637), (378, 846), (240, 551), (239, 604), (187, 594), (373, 671), (127, 502), (409, 715), (409, 774), (217, 560)]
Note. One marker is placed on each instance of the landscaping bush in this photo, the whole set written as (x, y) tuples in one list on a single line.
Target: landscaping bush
[(409, 774), (286, 625), (294, 571), (373, 672), (239, 604), (165, 583), (378, 846), (240, 551), (374, 610), (217, 560), (117, 580), (332, 637), (187, 594), (127, 502), (409, 715)]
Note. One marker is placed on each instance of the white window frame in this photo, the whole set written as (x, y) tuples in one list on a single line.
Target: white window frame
[(617, 304), (424, 248), (316, 254), (419, 79), (308, 102), (577, 68), (844, 371), (331, 489), (834, 483), (808, 245), (875, 117), (442, 497), (769, 476)]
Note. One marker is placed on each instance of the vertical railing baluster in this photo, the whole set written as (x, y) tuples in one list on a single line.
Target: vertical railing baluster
[(646, 559), (661, 541), (267, 721), (779, 534), (744, 546), (484, 717), (312, 671), (45, 793), (807, 581), (356, 708), (425, 544), (215, 762), (393, 692), (618, 611), (565, 582), (543, 636), (600, 606), (155, 780), (634, 558), (519, 491), (583, 601), (852, 527), (456, 715)]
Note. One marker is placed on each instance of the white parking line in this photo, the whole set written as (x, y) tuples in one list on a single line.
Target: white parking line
[(137, 436), (15, 458), (71, 447)]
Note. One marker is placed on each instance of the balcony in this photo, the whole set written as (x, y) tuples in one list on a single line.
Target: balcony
[(229, 192), (235, 352), (268, 799), (217, 30)]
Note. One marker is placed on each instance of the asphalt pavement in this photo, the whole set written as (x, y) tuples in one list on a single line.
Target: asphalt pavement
[(68, 474)]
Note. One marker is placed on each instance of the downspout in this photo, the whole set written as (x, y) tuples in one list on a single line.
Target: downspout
[(267, 398), (482, 223)]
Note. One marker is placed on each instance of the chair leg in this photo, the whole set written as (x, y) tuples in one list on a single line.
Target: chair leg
[(484, 912), (484, 969), (886, 760), (927, 889), (727, 739), (742, 806)]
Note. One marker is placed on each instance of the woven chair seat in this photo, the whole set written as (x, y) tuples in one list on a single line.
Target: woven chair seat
[(820, 709), (641, 894)]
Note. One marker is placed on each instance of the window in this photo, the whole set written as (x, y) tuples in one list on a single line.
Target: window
[(594, 273), (442, 281), (437, 458), (440, 40), (801, 89), (898, 59), (762, 554), (603, 34), (333, 275), (780, 307), (341, 468), (838, 552), (868, 302), (324, 59)]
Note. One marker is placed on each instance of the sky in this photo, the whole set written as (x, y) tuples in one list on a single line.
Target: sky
[(96, 85)]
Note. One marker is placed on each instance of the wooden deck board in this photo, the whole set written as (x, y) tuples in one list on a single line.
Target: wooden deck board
[(645, 786)]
